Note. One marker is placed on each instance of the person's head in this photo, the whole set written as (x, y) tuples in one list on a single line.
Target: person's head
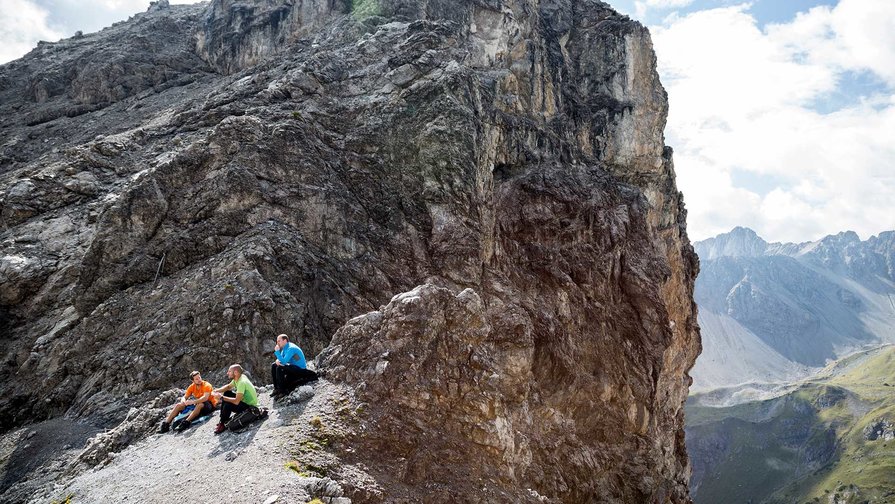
[(196, 378), (234, 372), (282, 340)]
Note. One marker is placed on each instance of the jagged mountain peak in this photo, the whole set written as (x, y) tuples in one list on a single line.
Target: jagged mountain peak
[(802, 303), (738, 242)]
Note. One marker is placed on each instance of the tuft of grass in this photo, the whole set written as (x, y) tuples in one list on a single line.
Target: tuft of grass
[(315, 501), (309, 445), (306, 470), (316, 422), (362, 9), (297, 469), (67, 500)]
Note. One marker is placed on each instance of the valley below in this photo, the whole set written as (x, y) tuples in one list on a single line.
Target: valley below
[(831, 438), (793, 398)]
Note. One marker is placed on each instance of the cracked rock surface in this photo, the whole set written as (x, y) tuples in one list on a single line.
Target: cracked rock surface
[(467, 206)]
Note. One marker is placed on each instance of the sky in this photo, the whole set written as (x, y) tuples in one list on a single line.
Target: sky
[(782, 112)]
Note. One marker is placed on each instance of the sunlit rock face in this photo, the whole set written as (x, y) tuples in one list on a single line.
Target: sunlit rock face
[(471, 199)]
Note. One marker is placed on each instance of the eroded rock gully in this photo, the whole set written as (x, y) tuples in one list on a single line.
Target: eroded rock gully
[(180, 187)]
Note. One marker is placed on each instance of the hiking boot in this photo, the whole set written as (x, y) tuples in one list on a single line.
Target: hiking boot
[(220, 428), (184, 425), (164, 427)]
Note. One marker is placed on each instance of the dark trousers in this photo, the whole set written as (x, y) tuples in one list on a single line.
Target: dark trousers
[(287, 378), (228, 408), (207, 409)]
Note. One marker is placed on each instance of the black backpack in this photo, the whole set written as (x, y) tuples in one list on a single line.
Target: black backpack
[(246, 417)]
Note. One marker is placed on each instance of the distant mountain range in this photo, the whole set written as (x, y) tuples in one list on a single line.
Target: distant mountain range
[(776, 312)]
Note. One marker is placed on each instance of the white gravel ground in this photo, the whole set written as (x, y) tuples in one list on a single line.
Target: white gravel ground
[(197, 466)]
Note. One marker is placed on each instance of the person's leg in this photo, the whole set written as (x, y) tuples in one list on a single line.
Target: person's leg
[(197, 411), (239, 408), (296, 377), (174, 412), (227, 408), (204, 408), (166, 423), (275, 376), (306, 376), (299, 377)]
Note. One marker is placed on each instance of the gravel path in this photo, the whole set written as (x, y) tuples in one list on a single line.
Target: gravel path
[(197, 466)]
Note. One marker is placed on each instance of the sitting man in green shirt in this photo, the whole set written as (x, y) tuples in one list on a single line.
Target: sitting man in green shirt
[(244, 398)]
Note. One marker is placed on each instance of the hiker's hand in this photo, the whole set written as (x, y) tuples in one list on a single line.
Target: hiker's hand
[(278, 363)]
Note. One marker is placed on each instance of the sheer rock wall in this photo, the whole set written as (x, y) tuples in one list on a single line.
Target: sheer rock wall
[(292, 165)]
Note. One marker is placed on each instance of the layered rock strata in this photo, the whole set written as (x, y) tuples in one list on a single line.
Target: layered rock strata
[(248, 168)]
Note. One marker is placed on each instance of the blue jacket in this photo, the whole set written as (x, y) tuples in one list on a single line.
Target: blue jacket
[(291, 355)]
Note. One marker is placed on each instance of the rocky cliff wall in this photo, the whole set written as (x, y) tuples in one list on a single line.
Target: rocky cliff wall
[(314, 159)]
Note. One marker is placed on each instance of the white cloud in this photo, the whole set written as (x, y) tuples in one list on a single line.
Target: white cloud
[(741, 101), (22, 25), (641, 6), (855, 35), (668, 4)]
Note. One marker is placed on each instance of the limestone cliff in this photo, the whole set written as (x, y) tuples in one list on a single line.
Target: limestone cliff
[(178, 188)]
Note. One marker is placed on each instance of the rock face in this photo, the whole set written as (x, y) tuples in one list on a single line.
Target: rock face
[(771, 312), (249, 168)]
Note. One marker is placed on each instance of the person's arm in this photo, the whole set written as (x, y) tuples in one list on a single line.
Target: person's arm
[(289, 355), (202, 399), (295, 356), (223, 389), (281, 358), (239, 393)]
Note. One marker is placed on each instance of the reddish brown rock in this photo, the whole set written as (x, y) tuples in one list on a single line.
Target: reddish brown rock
[(267, 167)]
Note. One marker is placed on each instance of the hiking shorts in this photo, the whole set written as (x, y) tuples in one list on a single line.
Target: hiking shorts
[(207, 408)]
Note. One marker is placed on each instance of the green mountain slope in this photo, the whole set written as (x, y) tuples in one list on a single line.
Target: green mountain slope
[(831, 440)]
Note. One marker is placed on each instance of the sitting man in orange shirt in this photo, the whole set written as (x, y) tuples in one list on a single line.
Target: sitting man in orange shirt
[(197, 401)]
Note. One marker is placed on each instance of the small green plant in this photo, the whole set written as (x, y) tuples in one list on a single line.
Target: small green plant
[(296, 114), (315, 501), (309, 445), (316, 422), (296, 468), (66, 500), (362, 9)]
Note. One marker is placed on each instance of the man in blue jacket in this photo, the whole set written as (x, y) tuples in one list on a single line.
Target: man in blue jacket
[(289, 370)]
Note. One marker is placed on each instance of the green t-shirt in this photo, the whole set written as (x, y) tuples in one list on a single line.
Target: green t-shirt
[(249, 396)]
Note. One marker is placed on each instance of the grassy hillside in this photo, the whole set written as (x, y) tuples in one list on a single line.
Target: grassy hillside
[(830, 440)]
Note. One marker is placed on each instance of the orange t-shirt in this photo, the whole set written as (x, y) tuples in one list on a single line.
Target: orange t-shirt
[(198, 391)]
